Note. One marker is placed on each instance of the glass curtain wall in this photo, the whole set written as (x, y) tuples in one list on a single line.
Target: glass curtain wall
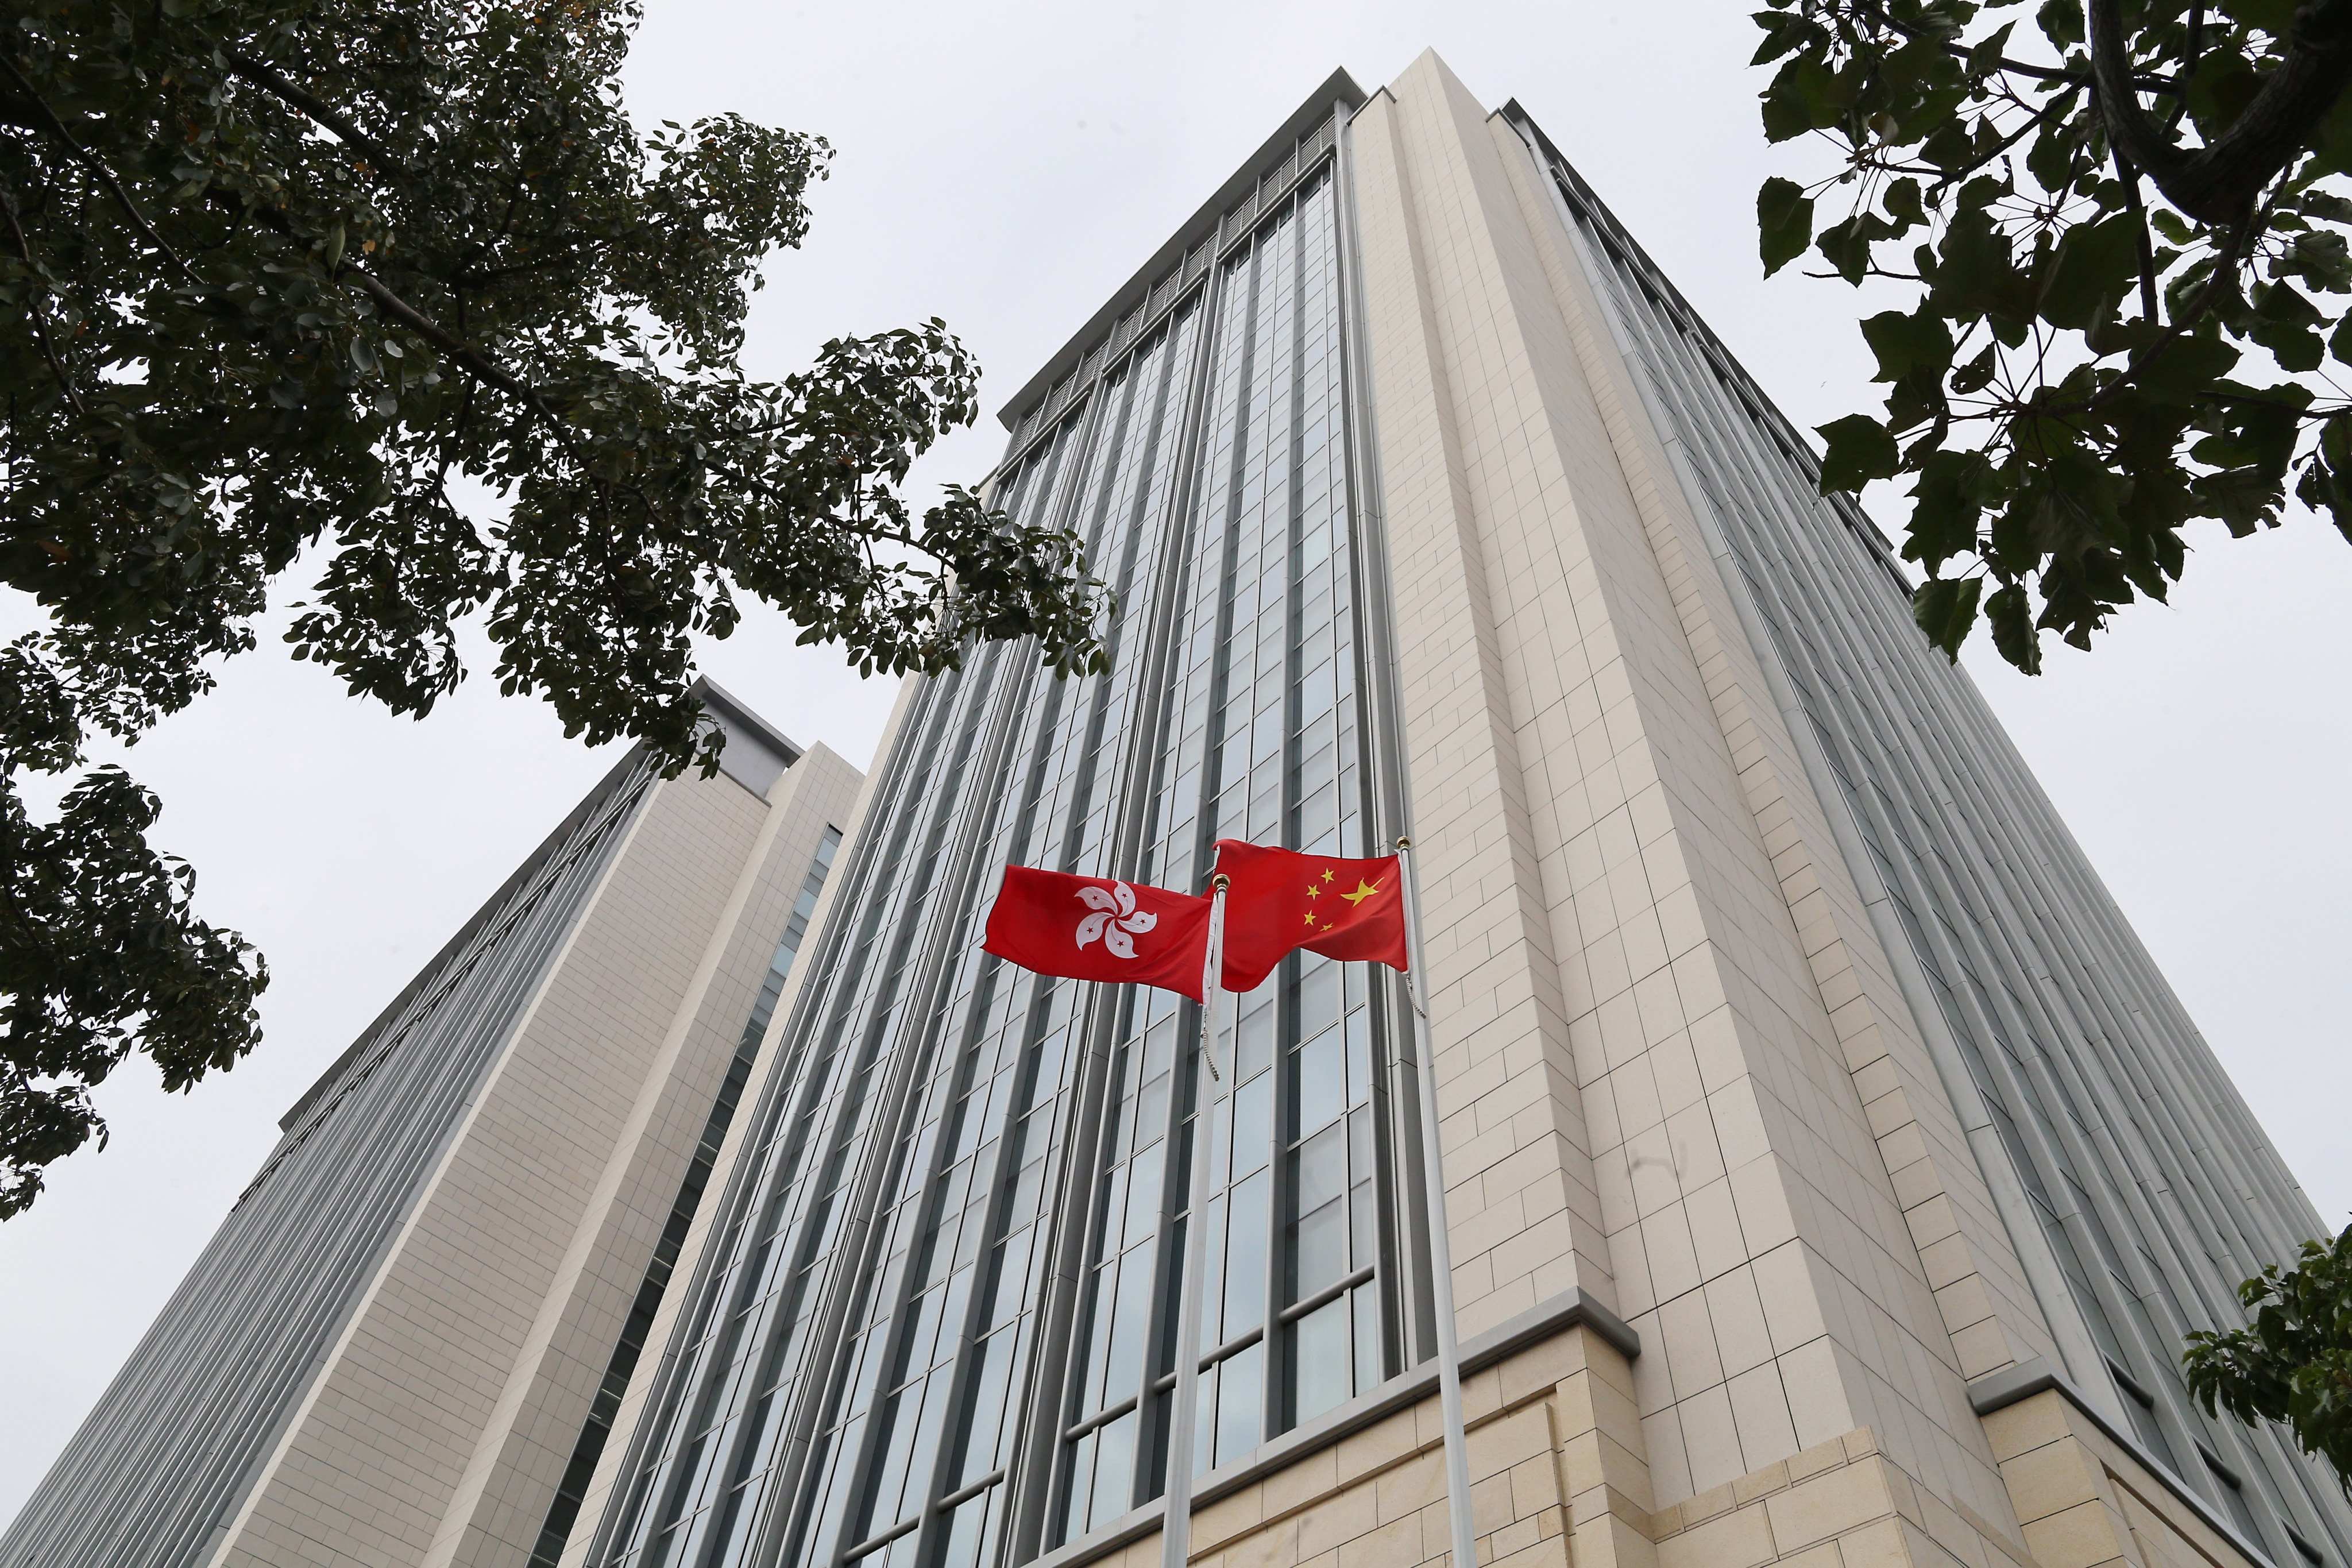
[(598, 1427), (2106, 1099), (938, 1323)]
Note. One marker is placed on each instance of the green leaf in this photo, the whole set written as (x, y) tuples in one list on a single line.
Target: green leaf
[(1845, 246), (2093, 266), (1784, 31), (2185, 369), (1860, 449), (1901, 202), (1784, 221), (2223, 84), (1975, 376), (1946, 609), (1908, 342), (2061, 22), (2244, 498), (2286, 323), (1946, 506), (2012, 619)]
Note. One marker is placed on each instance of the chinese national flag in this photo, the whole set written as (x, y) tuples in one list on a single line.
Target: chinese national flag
[(1096, 928), (1279, 900)]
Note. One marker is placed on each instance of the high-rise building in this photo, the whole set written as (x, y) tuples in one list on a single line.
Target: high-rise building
[(1824, 1160), (408, 1337), (1829, 1175)]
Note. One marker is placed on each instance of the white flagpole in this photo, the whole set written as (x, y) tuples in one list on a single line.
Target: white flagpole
[(1176, 1520), (1441, 1253)]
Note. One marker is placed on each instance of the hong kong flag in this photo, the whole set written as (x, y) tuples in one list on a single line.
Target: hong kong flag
[(1094, 928), (1351, 909)]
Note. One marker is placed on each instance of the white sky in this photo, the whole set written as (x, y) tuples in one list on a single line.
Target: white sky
[(1006, 171)]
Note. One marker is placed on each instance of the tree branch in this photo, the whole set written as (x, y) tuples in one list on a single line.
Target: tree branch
[(462, 352), (2218, 183), (1962, 52), (57, 128), (2225, 268), (2130, 177), (267, 77), (39, 317)]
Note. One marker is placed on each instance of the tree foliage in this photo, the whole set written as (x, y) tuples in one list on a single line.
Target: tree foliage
[(2293, 1361), (2122, 227), (275, 277)]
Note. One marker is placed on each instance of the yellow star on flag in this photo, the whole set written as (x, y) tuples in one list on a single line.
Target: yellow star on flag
[(1326, 873), (1311, 917), (1363, 890)]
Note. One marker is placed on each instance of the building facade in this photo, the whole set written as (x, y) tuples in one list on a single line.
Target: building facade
[(1829, 1176), (405, 1342)]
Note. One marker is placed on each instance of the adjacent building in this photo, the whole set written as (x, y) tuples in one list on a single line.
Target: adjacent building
[(1828, 1174), (405, 1342)]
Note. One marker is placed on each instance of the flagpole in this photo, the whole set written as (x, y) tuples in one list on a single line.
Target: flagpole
[(1441, 1253), (1209, 1095)]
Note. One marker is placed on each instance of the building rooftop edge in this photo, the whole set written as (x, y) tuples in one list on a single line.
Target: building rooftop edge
[(1339, 86), (713, 695)]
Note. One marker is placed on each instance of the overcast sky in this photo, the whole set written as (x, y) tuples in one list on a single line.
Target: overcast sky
[(1005, 167)]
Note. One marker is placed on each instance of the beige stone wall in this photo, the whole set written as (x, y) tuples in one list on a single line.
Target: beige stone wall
[(1675, 1069), (608, 1469), (496, 1518), (443, 1416), (1556, 1480), (2086, 1501)]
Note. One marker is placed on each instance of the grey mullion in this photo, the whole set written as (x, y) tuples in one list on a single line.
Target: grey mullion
[(863, 1130), (2128, 1165), (1035, 1490), (2084, 1154), (897, 1323), (1274, 1410), (1866, 801), (1382, 807), (1148, 764), (981, 716), (1077, 1172), (1243, 342), (2113, 1163), (894, 1325), (2119, 1160), (752, 1187)]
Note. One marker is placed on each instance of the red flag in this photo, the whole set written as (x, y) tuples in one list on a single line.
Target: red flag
[(1351, 909), (1096, 928)]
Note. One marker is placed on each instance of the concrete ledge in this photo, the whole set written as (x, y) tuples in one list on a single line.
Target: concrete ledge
[(2015, 1384), (1572, 1309)]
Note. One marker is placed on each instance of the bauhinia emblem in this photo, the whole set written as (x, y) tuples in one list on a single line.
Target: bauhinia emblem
[(1115, 916)]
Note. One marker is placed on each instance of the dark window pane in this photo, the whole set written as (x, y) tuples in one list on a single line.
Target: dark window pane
[(1240, 1402), (1322, 1249), (1245, 1258), (1254, 1124), (1319, 995), (1319, 1353), (1321, 1170), (1257, 1042), (1322, 1081), (1366, 1300), (1114, 1471)]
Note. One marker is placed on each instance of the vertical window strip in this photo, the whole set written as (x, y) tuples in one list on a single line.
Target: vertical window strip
[(903, 1459), (598, 1427)]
